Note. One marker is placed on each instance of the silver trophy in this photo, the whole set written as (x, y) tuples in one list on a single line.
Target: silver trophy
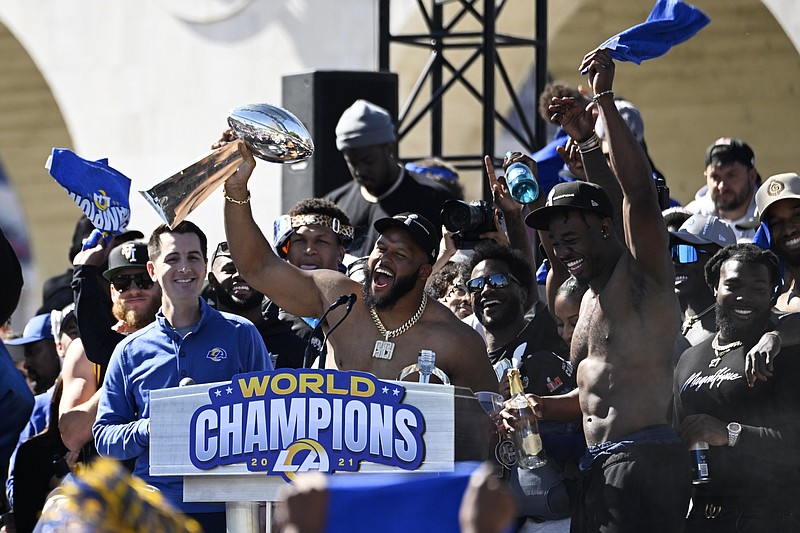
[(272, 133)]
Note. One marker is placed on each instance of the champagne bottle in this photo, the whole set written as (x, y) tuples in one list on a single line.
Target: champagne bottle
[(527, 441)]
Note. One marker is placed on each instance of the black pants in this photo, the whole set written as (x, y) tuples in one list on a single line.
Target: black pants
[(645, 488)]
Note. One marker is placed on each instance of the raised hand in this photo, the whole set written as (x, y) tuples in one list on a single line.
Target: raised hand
[(573, 118), (600, 68)]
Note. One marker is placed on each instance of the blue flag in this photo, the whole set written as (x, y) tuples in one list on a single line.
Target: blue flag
[(670, 22), (101, 192)]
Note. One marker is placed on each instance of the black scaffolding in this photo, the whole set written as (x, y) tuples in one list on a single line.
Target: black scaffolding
[(486, 45)]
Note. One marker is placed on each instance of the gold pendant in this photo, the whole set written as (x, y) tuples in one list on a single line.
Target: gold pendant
[(383, 350)]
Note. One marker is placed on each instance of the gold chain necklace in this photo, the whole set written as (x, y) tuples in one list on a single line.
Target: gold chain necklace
[(693, 319), (720, 351), (384, 349)]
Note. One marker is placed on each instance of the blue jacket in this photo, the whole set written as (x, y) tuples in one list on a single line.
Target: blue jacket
[(155, 357)]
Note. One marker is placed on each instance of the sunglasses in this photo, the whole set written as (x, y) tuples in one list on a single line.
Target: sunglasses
[(686, 253), (122, 282), (495, 281)]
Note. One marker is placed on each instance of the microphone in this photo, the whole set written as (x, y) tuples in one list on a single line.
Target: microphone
[(185, 382), (350, 301), (343, 299)]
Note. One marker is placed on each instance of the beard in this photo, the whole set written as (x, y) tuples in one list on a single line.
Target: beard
[(226, 301), (135, 319), (402, 286), (736, 202), (748, 334)]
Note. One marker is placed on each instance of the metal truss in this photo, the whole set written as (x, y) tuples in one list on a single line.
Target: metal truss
[(486, 46)]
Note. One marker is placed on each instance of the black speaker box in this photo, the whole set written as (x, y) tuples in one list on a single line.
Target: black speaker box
[(318, 98)]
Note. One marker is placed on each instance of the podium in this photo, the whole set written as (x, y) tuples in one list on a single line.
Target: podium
[(456, 428)]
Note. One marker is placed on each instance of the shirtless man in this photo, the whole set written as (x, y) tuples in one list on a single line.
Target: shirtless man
[(392, 295), (636, 473)]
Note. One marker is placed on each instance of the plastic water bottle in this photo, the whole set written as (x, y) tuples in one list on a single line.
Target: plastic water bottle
[(522, 183)]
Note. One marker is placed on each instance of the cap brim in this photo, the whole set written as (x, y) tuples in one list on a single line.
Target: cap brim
[(383, 224), (24, 340), (540, 218), (783, 196), (691, 238), (108, 274)]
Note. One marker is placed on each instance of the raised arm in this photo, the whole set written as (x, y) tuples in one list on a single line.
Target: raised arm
[(298, 292), (645, 233)]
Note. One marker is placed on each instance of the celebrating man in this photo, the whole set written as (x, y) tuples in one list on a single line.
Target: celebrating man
[(390, 322)]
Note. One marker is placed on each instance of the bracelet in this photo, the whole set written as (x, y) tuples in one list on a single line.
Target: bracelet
[(234, 200), (592, 143), (596, 97)]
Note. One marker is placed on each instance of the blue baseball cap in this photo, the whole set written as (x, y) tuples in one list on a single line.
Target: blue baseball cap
[(37, 329)]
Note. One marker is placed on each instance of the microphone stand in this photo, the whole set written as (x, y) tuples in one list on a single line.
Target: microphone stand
[(343, 299)]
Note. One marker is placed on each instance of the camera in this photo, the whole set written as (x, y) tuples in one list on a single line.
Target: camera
[(662, 191), (469, 220)]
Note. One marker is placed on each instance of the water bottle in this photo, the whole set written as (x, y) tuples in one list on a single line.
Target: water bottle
[(527, 440), (700, 455), (522, 183)]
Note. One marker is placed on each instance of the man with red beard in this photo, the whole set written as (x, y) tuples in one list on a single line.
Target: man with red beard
[(135, 299), (390, 322), (753, 431)]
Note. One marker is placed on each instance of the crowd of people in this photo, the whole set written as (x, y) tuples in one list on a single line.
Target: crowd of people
[(642, 332)]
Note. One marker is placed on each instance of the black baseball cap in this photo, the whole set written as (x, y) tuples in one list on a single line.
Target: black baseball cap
[(728, 150), (420, 228), (572, 195), (131, 254)]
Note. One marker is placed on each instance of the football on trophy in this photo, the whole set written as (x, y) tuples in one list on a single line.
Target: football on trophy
[(273, 133)]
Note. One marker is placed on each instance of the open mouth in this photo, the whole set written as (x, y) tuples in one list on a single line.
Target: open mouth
[(382, 277), (742, 313), (573, 265)]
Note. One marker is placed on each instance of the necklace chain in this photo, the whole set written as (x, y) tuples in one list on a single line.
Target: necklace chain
[(693, 319), (405, 327), (720, 351)]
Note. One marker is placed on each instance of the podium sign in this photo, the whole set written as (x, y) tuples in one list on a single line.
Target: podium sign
[(244, 439)]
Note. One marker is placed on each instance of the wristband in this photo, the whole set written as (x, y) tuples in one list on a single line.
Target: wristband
[(592, 143)]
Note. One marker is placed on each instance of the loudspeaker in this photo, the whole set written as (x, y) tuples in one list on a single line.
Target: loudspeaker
[(318, 98)]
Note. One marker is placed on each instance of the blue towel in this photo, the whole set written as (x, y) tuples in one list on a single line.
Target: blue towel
[(101, 192), (397, 502), (670, 22)]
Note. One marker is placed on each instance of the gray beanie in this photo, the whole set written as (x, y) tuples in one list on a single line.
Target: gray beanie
[(364, 124)]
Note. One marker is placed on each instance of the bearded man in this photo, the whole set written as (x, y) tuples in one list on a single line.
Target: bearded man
[(731, 183), (391, 321), (753, 432), (135, 299)]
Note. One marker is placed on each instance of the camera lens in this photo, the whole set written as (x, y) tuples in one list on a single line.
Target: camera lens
[(456, 216)]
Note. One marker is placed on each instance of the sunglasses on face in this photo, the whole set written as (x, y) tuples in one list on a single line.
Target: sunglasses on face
[(686, 253), (495, 281), (122, 282)]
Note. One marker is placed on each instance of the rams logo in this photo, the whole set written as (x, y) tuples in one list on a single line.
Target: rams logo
[(101, 201), (217, 355), (313, 455)]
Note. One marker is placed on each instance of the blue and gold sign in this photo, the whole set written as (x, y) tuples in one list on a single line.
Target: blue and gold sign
[(288, 421)]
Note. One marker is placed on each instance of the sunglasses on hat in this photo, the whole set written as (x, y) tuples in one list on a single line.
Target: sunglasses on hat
[(686, 253), (122, 282), (498, 280)]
